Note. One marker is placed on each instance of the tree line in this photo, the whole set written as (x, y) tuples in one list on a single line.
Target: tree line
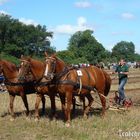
[(16, 39)]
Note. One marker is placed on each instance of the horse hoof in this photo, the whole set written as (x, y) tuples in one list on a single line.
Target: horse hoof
[(85, 116), (67, 124), (36, 119), (12, 119), (102, 116), (53, 119), (56, 116), (28, 118)]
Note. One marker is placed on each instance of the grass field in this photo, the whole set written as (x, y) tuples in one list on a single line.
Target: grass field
[(117, 125)]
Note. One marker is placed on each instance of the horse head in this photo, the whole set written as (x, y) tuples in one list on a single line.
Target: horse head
[(54, 66), (30, 66), (50, 67), (24, 68)]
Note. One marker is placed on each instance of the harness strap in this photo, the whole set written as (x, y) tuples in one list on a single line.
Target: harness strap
[(76, 85), (33, 83), (80, 88), (79, 78), (18, 83)]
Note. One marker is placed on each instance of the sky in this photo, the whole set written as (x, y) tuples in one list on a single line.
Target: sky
[(111, 20)]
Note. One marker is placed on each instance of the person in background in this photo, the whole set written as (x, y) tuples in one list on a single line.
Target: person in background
[(2, 86), (122, 70)]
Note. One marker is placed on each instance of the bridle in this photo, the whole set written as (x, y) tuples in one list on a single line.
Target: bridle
[(27, 70), (51, 64)]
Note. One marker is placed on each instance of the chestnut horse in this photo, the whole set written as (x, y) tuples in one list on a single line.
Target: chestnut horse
[(92, 78), (42, 86), (10, 73)]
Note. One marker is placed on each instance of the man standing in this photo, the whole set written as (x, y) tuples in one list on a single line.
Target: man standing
[(122, 70)]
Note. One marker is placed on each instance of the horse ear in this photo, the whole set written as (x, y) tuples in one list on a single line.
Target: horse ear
[(28, 58), (54, 55), (22, 56), (46, 54)]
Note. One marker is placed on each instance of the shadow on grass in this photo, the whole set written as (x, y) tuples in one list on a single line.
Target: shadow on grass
[(59, 113)]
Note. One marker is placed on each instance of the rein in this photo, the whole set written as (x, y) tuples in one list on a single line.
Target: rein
[(7, 83), (62, 73), (76, 85), (28, 83)]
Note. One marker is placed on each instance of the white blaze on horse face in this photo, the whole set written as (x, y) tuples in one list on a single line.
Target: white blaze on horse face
[(46, 70), (20, 68)]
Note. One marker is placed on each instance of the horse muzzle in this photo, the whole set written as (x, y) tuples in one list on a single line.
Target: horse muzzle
[(49, 76)]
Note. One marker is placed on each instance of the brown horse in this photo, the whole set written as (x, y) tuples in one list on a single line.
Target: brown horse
[(37, 69), (11, 73), (42, 86), (91, 78)]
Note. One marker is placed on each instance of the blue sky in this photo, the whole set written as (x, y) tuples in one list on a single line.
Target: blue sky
[(111, 20)]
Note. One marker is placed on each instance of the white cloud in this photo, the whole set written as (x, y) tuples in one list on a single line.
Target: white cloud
[(70, 29), (83, 4), (127, 16), (3, 1), (28, 21)]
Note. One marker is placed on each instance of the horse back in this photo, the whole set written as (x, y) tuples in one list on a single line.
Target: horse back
[(90, 76)]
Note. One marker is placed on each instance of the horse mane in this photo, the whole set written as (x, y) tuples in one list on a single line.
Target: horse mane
[(30, 59), (38, 67), (58, 59), (33, 61)]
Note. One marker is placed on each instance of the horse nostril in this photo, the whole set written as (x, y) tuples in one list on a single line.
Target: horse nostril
[(51, 77)]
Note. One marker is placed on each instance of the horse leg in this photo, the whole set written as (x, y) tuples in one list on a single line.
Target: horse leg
[(38, 99), (53, 106), (62, 98), (24, 98), (43, 104), (73, 102), (68, 109), (82, 98), (90, 100), (103, 101), (12, 97)]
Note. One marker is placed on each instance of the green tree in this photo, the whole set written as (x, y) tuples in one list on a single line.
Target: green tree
[(137, 57), (17, 38), (5, 22), (84, 45), (66, 56), (124, 50)]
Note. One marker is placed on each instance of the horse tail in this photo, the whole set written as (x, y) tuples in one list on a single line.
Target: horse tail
[(107, 83)]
